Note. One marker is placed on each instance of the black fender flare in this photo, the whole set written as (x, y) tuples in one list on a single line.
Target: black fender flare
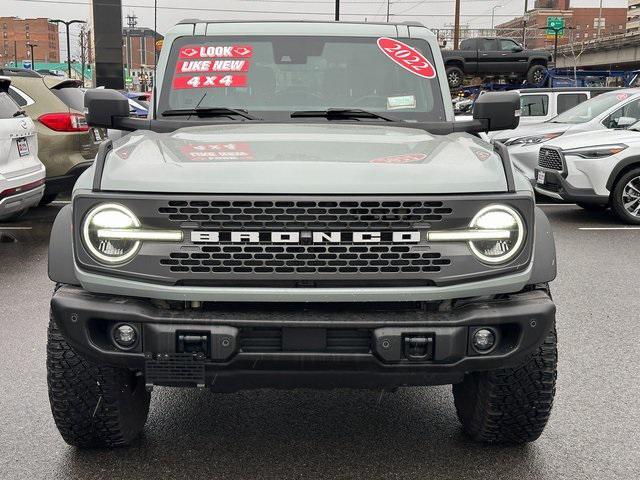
[(60, 265), (454, 62), (537, 61), (545, 267), (627, 162)]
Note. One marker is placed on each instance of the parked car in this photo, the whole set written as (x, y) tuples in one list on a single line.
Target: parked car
[(489, 56), (321, 177), (67, 145), (21, 173), (138, 104), (594, 169), (616, 109)]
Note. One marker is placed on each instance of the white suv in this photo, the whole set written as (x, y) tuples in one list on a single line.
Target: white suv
[(21, 173), (595, 170)]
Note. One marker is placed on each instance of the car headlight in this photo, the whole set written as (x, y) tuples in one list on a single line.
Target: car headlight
[(110, 217), (495, 235), (598, 151), (509, 231), (532, 140)]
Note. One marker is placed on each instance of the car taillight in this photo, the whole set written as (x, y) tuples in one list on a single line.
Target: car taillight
[(64, 122)]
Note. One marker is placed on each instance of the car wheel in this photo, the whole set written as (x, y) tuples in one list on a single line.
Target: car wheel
[(93, 405), (48, 198), (625, 199), (510, 405), (536, 74), (455, 77)]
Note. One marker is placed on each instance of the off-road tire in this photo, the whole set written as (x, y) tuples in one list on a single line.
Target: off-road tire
[(593, 207), (93, 406), (510, 405), (47, 199), (455, 76), (617, 202), (536, 74)]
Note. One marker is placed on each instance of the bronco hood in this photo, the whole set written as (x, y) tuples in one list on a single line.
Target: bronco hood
[(303, 159)]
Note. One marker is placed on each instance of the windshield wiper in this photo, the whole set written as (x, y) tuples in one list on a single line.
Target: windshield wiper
[(209, 112), (341, 114), (19, 113)]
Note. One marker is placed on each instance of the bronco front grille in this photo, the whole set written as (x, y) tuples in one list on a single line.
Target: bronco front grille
[(322, 259), (304, 215), (551, 159)]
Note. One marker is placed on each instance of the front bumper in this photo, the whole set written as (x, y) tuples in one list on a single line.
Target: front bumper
[(303, 345), (556, 186)]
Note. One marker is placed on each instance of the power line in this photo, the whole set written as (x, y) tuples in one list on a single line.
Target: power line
[(276, 12)]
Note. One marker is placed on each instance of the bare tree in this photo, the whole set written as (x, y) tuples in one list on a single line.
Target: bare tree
[(83, 43), (576, 52)]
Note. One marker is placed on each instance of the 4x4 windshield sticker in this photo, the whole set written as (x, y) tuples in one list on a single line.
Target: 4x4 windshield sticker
[(407, 57), (226, 63), (198, 152)]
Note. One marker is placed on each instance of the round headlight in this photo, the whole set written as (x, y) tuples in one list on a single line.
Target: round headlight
[(108, 250), (502, 219)]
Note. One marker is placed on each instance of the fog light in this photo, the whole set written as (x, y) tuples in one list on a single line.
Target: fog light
[(125, 336), (484, 339)]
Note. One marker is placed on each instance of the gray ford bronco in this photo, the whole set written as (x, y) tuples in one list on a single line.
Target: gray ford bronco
[(301, 210)]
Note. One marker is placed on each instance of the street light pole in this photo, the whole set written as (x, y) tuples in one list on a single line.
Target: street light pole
[(524, 23), (67, 23), (337, 10), (493, 14), (388, 9), (600, 20)]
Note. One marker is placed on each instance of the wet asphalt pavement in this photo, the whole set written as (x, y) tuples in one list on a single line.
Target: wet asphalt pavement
[(594, 431)]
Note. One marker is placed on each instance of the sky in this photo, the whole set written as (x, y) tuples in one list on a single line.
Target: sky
[(432, 13)]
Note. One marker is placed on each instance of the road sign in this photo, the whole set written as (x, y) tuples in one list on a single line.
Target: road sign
[(555, 24)]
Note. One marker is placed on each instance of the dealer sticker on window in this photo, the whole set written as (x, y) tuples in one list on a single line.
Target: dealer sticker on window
[(405, 101), (407, 57), (221, 66)]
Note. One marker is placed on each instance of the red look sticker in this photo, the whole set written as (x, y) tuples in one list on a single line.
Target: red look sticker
[(406, 158), (205, 66), (209, 81), (218, 151), (216, 51), (407, 57)]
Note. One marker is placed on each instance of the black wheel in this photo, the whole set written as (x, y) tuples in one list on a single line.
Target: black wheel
[(625, 198), (593, 207), (510, 405), (536, 74), (455, 76), (92, 405), (48, 198)]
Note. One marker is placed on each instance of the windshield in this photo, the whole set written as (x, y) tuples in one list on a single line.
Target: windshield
[(590, 109), (271, 76)]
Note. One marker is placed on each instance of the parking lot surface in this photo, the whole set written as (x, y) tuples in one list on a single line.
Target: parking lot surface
[(594, 431)]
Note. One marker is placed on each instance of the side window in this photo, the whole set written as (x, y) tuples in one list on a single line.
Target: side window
[(570, 100), (507, 45), (8, 107), (21, 98), (466, 45), (630, 113), (486, 44), (534, 105)]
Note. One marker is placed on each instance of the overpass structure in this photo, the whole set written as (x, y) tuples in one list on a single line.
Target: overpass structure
[(619, 52)]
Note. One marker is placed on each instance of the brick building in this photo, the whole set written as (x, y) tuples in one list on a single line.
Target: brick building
[(633, 17), (18, 32), (581, 22)]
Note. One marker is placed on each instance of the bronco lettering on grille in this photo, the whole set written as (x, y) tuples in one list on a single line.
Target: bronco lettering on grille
[(304, 237)]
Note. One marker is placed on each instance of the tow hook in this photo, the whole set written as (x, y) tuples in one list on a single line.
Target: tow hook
[(418, 348)]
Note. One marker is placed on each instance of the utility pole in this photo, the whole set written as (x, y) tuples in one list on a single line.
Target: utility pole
[(67, 24), (600, 20), (456, 26), (337, 10), (15, 53), (82, 54), (33, 59), (388, 9), (524, 23)]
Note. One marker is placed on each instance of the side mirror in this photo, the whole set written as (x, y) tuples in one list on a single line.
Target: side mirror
[(498, 110), (104, 108), (624, 122), (517, 49), (4, 84)]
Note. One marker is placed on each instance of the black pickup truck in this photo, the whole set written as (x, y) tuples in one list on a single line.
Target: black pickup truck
[(487, 56)]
